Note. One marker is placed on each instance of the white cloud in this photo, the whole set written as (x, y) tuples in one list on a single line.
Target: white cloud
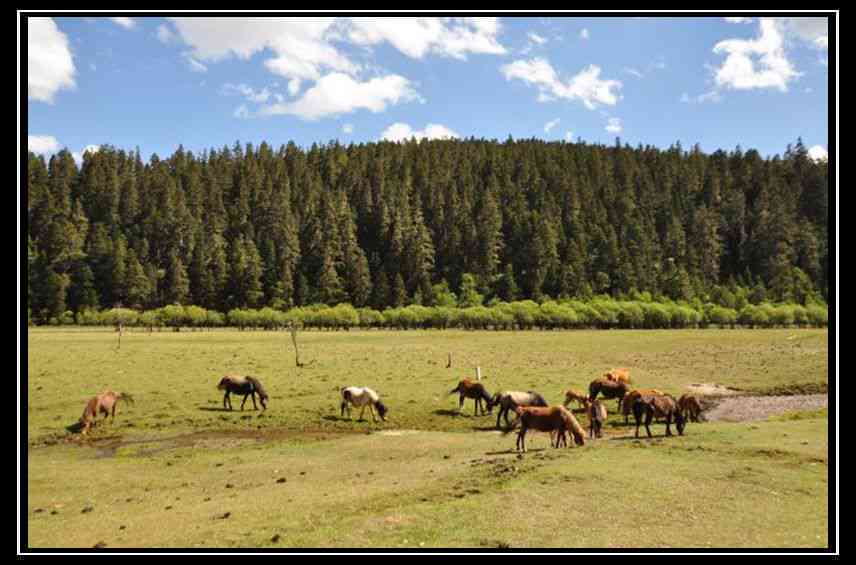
[(401, 132), (586, 86), (348, 128), (42, 144), (569, 136), (126, 23), (739, 20), (613, 125), (299, 45), (49, 63), (712, 96), (416, 37), (338, 93), (164, 34), (634, 72), (815, 31), (756, 63), (294, 86), (818, 152), (584, 34), (550, 125), (535, 38), (247, 92), (241, 112)]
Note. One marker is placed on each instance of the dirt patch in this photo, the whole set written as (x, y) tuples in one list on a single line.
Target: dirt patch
[(108, 446), (748, 408), (712, 389), (398, 432)]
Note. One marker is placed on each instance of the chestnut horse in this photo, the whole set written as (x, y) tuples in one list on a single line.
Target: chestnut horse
[(608, 388), (104, 403), (596, 412), (630, 398), (690, 407), (549, 419)]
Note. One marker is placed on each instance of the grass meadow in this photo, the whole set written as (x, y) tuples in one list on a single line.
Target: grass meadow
[(177, 470)]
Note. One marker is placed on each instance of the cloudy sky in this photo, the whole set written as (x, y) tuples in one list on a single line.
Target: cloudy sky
[(155, 83)]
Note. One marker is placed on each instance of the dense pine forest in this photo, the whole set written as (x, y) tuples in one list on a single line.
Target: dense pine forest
[(443, 222)]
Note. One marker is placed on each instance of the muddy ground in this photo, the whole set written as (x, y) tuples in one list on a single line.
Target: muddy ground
[(746, 408)]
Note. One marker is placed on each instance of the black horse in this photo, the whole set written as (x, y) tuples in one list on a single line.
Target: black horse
[(246, 386)]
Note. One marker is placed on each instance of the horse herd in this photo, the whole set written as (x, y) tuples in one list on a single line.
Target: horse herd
[(530, 408)]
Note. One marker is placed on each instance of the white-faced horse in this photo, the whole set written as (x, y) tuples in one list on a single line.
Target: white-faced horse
[(362, 397)]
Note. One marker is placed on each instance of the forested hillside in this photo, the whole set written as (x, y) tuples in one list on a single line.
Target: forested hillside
[(386, 225)]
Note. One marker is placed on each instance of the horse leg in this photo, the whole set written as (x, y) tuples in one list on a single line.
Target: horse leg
[(112, 414), (648, 417), (461, 403), (254, 400), (244, 402), (668, 425), (227, 399), (371, 411), (362, 411), (498, 416)]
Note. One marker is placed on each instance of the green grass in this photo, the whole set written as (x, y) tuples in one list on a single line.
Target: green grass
[(452, 483)]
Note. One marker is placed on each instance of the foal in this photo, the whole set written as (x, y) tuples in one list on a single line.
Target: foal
[(362, 397), (247, 386), (104, 403), (475, 390), (574, 395)]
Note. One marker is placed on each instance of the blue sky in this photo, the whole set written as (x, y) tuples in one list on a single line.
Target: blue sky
[(155, 83)]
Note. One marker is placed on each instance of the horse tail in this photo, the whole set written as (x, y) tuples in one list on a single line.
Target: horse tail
[(594, 388), (574, 427)]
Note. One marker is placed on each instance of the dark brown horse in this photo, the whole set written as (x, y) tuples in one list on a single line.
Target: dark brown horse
[(630, 398), (661, 406), (690, 407), (608, 389), (475, 390), (596, 412), (247, 386)]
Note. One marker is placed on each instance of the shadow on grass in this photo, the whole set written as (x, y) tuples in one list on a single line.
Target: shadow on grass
[(515, 452), (213, 409)]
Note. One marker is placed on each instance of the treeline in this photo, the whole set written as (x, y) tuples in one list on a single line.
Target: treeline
[(386, 226), (601, 313)]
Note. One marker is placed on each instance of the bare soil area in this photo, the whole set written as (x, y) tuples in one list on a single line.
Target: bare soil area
[(746, 408)]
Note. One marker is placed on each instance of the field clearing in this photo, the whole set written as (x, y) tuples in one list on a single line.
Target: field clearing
[(175, 463)]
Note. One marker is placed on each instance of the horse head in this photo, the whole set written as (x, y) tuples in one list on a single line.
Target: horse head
[(381, 410)]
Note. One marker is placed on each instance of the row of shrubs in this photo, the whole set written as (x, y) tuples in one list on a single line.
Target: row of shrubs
[(524, 315)]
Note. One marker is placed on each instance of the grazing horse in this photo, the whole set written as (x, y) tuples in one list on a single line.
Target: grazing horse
[(596, 412), (362, 397), (509, 400), (572, 395), (548, 419), (618, 375), (609, 389), (104, 403), (690, 407), (630, 398), (247, 386), (475, 390), (662, 406)]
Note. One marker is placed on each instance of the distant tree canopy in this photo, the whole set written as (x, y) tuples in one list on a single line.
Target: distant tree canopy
[(387, 225)]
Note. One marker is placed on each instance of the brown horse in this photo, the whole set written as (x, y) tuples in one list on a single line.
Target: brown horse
[(607, 388), (619, 375), (548, 419), (104, 403), (247, 386), (573, 395), (661, 406), (475, 390), (596, 412), (630, 398), (690, 407)]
